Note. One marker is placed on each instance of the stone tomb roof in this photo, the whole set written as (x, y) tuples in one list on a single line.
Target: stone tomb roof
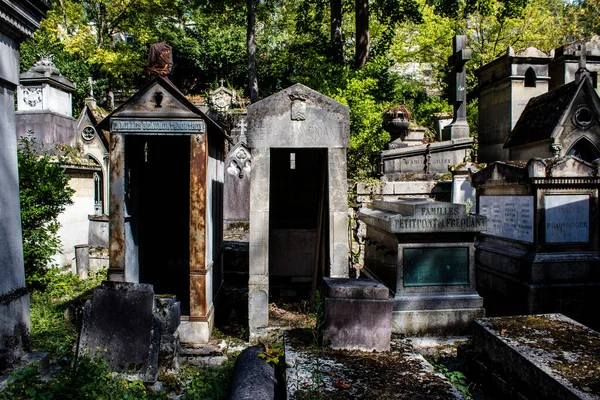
[(160, 100), (44, 71), (298, 117), (545, 116), (550, 170)]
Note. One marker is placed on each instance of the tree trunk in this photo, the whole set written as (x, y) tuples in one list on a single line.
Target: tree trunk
[(337, 47), (251, 45), (362, 32)]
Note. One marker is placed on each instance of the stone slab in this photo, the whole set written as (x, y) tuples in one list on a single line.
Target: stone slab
[(354, 288), (509, 217), (418, 215), (553, 356), (449, 322), (567, 218), (119, 325), (358, 324), (437, 301)]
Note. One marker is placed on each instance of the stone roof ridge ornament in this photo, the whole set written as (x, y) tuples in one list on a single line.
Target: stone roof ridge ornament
[(45, 65), (582, 71), (298, 107)]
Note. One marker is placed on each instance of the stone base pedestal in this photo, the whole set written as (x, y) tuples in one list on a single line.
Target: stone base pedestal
[(436, 314), (196, 331), (357, 314)]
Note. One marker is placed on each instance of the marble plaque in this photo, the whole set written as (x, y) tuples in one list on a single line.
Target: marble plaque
[(567, 218), (509, 217)]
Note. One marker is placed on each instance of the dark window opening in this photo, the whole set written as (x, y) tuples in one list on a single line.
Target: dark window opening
[(584, 150), (530, 78)]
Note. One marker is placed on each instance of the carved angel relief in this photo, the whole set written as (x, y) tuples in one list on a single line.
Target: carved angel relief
[(298, 112), (32, 96)]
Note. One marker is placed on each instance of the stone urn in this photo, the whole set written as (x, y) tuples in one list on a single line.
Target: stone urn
[(396, 122)]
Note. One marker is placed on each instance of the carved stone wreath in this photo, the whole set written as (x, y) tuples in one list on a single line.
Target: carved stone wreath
[(32, 96)]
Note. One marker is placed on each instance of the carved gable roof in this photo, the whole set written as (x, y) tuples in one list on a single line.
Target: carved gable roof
[(545, 116), (159, 99)]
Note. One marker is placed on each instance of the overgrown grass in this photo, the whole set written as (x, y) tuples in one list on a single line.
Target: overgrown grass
[(55, 311), (55, 320)]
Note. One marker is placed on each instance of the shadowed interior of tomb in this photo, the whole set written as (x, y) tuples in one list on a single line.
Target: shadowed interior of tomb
[(157, 195), (298, 226)]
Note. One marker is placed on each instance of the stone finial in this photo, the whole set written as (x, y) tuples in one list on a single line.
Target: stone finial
[(582, 71), (45, 65)]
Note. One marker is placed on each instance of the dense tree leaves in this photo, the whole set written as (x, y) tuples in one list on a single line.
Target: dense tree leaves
[(44, 193)]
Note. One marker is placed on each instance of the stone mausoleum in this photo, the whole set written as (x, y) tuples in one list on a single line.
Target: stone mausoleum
[(166, 201), (540, 252), (298, 202)]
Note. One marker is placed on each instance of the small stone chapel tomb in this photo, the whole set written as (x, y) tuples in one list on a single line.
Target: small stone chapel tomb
[(540, 253), (298, 206), (423, 251), (166, 201)]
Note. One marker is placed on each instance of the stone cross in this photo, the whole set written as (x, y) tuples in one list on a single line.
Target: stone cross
[(459, 76), (91, 83), (582, 52), (458, 89), (242, 125), (222, 81)]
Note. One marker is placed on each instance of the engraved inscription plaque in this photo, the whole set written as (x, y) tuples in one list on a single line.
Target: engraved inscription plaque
[(509, 217), (567, 218), (433, 266)]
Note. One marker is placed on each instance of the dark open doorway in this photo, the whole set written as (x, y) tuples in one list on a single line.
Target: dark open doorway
[(158, 197), (298, 226)]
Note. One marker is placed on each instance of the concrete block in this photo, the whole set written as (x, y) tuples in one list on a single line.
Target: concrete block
[(354, 289), (358, 324)]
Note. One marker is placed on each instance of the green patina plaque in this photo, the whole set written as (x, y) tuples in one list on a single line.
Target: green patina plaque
[(433, 266)]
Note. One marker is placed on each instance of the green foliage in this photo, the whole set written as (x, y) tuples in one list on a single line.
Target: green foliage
[(50, 331), (273, 354), (206, 383), (44, 193), (88, 379), (446, 366)]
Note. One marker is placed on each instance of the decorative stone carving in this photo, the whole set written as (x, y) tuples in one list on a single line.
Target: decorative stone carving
[(298, 112), (222, 99), (88, 133), (239, 162), (32, 96)]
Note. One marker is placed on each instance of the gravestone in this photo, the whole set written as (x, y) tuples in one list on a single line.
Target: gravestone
[(19, 22), (118, 325), (540, 253), (429, 162), (123, 324), (298, 140), (423, 251)]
